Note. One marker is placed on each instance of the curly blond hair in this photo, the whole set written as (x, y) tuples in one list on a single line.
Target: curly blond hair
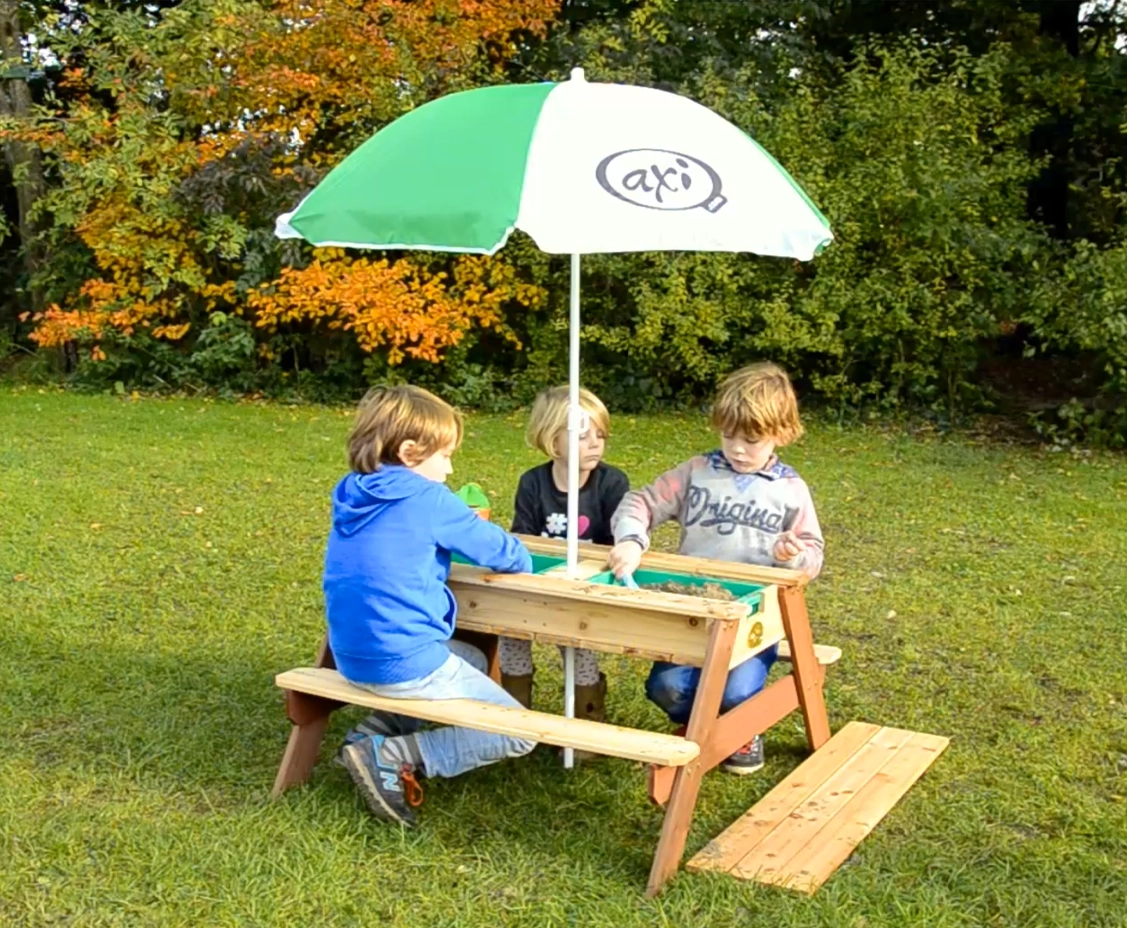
[(758, 401)]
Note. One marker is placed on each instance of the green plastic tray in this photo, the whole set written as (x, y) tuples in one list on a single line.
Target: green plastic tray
[(540, 562)]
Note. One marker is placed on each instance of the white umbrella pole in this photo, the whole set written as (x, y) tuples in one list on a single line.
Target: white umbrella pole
[(574, 422)]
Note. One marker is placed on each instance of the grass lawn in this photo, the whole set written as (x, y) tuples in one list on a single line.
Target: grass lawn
[(160, 561)]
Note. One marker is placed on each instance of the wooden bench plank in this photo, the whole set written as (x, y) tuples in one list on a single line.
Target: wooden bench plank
[(770, 856), (812, 866), (825, 654), (727, 849), (581, 734), (803, 830)]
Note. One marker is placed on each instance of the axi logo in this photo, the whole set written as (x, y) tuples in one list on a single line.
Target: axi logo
[(655, 178)]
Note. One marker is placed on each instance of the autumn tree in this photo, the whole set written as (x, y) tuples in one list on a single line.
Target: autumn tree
[(185, 133)]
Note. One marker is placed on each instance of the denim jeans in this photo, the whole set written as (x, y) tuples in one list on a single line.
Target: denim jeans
[(447, 752), (673, 687)]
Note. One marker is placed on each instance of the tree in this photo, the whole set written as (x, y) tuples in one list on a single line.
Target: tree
[(23, 157), (185, 134)]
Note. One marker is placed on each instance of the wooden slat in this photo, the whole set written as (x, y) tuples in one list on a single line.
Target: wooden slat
[(803, 830), (617, 628), (825, 653), (771, 855), (581, 734), (726, 850), (681, 564), (814, 864)]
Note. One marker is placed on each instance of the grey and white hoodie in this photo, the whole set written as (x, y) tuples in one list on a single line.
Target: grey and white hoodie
[(726, 515)]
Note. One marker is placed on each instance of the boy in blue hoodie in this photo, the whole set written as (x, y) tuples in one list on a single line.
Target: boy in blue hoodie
[(390, 613)]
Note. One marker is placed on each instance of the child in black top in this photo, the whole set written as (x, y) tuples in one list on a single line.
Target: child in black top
[(541, 509)]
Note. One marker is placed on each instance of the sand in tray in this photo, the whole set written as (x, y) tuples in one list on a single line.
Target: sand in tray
[(703, 591)]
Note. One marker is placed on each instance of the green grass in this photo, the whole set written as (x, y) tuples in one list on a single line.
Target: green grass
[(160, 561)]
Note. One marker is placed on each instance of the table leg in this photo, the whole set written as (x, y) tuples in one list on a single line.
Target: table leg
[(310, 717), (811, 698), (760, 713), (686, 785)]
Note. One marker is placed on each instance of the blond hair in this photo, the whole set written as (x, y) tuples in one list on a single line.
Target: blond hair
[(389, 416), (758, 401), (549, 417)]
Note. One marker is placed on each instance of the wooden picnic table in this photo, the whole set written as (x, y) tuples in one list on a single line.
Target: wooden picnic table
[(551, 607)]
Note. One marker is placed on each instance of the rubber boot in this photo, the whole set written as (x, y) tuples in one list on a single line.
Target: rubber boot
[(519, 687), (591, 701), (591, 704)]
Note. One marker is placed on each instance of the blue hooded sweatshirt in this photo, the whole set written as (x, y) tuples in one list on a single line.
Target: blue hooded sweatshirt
[(388, 607)]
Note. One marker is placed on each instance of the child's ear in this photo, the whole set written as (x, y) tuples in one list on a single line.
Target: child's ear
[(407, 451)]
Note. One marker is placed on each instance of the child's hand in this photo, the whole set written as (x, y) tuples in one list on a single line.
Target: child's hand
[(624, 558), (788, 546)]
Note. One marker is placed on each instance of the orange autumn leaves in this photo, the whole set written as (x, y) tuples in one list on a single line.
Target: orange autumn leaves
[(320, 75), (393, 305), (353, 58)]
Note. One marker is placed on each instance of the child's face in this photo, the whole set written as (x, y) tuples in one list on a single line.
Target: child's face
[(592, 444), (437, 467), (746, 454)]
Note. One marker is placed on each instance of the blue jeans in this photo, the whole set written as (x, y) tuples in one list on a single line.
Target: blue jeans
[(447, 752), (673, 687)]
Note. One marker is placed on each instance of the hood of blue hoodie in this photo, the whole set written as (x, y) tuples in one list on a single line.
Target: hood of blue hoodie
[(359, 497)]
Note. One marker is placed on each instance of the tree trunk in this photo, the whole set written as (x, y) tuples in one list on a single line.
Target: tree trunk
[(24, 160)]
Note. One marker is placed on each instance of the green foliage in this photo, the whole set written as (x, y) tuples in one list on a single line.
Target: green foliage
[(1085, 310), (225, 352), (968, 154)]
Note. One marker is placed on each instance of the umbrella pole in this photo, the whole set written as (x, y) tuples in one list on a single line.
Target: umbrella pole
[(574, 423)]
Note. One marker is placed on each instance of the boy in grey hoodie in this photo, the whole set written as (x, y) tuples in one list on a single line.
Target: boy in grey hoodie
[(739, 503)]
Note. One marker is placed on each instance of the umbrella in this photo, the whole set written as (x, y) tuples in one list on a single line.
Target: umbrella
[(582, 168)]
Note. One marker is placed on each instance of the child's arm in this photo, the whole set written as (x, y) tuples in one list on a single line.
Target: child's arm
[(458, 528), (801, 546), (643, 510), (527, 518)]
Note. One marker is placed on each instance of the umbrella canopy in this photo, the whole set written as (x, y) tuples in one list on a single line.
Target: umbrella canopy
[(582, 168)]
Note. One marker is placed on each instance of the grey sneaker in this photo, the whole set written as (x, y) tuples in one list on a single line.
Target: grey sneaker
[(378, 723), (747, 759), (390, 792)]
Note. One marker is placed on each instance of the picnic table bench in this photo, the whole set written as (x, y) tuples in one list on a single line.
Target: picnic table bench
[(589, 611)]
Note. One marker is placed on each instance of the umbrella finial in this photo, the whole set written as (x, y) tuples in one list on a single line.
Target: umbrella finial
[(577, 74)]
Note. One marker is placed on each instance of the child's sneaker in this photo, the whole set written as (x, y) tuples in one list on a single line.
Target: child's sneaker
[(747, 759), (378, 723), (389, 791)]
